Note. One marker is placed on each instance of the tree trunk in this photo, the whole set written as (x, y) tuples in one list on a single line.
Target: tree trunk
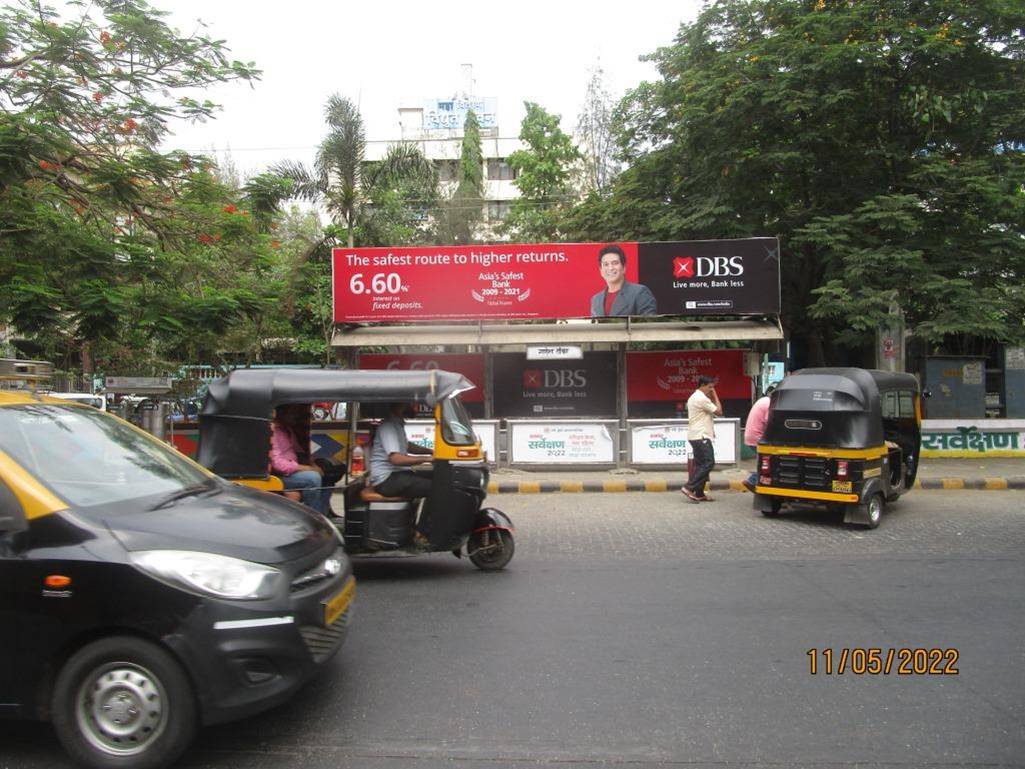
[(87, 362)]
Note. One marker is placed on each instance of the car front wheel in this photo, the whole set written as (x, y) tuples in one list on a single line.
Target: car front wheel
[(123, 702)]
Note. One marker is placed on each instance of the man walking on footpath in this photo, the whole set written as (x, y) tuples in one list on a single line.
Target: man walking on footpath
[(703, 407), (754, 429)]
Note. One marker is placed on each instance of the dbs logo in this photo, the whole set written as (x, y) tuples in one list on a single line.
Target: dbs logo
[(708, 266), (683, 267), (531, 379)]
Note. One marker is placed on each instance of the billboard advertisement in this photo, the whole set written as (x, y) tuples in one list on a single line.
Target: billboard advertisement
[(555, 388), (556, 280), (658, 384)]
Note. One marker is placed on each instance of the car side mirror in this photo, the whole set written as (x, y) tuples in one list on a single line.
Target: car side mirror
[(12, 514)]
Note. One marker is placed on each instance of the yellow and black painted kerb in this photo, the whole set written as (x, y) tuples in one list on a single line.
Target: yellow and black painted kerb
[(1015, 483)]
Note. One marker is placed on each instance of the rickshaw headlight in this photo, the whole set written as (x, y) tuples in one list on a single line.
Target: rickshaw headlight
[(209, 573)]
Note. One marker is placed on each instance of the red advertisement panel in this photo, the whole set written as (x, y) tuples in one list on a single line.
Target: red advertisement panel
[(470, 282), (470, 366), (556, 280), (671, 375)]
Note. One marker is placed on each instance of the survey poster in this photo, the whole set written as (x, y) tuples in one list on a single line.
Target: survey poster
[(561, 444), (555, 388), (556, 281)]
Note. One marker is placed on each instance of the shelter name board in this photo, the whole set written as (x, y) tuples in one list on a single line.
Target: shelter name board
[(556, 280)]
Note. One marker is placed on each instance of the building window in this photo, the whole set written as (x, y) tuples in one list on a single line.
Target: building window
[(499, 170), (498, 210), (448, 170)]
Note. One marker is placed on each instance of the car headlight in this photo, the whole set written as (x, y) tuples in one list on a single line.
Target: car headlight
[(208, 573)]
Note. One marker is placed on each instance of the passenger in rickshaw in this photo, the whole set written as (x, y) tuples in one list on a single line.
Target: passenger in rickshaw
[(286, 450), (392, 457)]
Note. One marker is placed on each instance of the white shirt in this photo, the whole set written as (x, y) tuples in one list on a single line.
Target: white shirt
[(390, 439), (700, 417)]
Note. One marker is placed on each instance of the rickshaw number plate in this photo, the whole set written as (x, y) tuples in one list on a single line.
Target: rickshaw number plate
[(333, 607), (842, 487)]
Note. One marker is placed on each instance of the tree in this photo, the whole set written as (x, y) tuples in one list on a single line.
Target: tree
[(874, 137), (543, 172), (93, 232), (597, 137), (342, 179), (460, 214)]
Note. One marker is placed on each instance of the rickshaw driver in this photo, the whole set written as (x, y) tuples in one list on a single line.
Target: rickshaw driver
[(392, 457)]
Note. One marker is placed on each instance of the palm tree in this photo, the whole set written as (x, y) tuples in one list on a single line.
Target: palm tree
[(343, 181)]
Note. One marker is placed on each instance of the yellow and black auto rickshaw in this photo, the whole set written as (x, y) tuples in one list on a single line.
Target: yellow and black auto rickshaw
[(843, 438), (234, 442)]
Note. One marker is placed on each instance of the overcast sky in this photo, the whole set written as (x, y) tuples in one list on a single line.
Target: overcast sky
[(385, 53)]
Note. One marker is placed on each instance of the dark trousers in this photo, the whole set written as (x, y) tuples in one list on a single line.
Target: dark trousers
[(704, 461), (410, 484)]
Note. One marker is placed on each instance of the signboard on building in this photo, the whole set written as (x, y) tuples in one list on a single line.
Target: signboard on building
[(566, 443), (451, 113), (140, 385), (971, 439), (555, 388), (659, 383), (555, 280)]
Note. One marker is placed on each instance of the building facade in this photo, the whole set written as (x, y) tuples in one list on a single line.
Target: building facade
[(435, 127)]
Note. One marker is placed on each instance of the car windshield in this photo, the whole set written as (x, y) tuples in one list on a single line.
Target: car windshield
[(89, 458)]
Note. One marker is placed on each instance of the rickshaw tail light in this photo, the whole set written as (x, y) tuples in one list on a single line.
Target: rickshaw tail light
[(766, 464), (765, 480), (841, 468)]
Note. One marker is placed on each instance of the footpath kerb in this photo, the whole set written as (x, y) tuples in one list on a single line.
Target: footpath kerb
[(999, 474)]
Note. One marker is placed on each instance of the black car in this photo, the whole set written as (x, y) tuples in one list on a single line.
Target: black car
[(141, 596)]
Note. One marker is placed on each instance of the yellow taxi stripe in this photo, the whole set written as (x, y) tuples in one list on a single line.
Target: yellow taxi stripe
[(271, 483), (875, 453), (825, 496), (36, 500)]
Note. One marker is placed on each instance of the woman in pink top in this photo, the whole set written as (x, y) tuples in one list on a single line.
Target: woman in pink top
[(285, 450)]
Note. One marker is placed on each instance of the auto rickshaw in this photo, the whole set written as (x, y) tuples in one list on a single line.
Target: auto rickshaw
[(840, 438), (234, 442)]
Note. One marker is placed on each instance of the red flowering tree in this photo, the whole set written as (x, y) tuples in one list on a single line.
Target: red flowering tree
[(109, 246)]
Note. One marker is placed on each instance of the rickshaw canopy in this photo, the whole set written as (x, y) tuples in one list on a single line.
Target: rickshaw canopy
[(832, 407), (234, 422)]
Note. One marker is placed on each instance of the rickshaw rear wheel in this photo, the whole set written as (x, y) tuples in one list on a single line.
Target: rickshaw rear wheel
[(772, 511), (491, 550), (872, 511)]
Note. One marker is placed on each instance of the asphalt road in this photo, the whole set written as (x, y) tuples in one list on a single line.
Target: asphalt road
[(635, 630)]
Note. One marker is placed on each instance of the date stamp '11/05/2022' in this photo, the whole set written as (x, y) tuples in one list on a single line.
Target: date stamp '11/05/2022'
[(874, 661)]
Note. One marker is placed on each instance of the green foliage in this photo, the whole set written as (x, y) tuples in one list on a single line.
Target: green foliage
[(543, 173), (111, 250), (596, 131), (458, 217), (372, 201), (868, 135)]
